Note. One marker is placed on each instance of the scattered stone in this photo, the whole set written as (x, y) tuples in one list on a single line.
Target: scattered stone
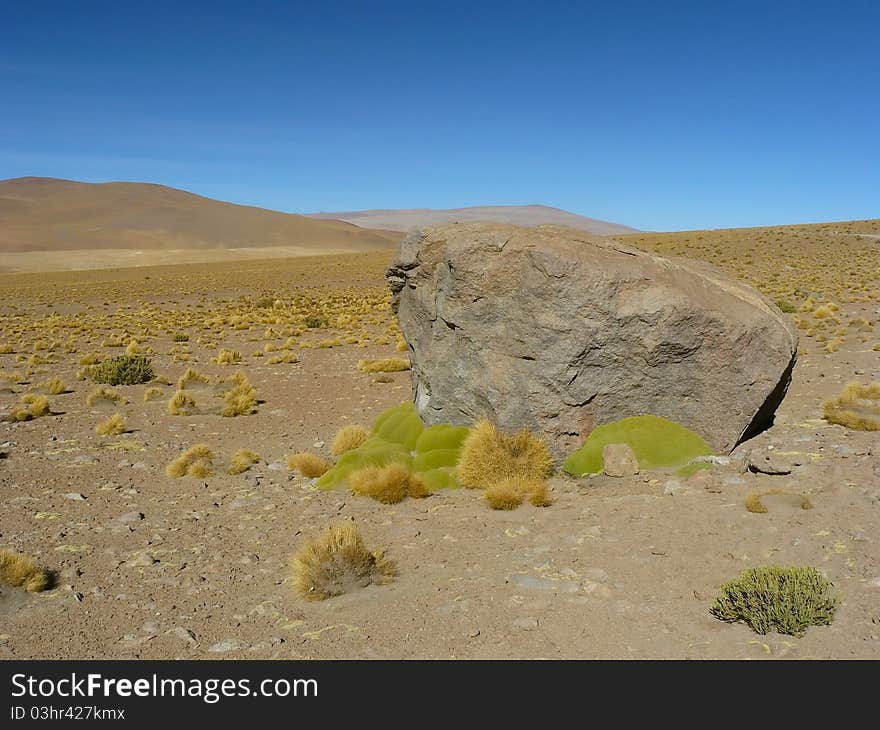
[(75, 496), (183, 634), (526, 623), (226, 645), (144, 560), (129, 518), (619, 460)]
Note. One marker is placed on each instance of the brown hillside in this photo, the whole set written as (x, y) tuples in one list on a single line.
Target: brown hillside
[(47, 214)]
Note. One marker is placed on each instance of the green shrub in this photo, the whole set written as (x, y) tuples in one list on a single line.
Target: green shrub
[(789, 600), (786, 306), (124, 370), (316, 321), (399, 436), (657, 442), (181, 337)]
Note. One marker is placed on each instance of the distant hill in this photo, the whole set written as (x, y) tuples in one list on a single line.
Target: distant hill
[(48, 214), (519, 215)]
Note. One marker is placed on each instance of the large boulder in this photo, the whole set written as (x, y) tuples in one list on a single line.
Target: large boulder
[(554, 330)]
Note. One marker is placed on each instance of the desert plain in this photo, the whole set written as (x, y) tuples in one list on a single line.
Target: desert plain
[(149, 566)]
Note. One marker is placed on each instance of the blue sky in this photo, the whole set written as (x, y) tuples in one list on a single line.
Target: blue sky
[(664, 116)]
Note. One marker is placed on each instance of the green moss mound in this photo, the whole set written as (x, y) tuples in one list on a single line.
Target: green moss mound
[(657, 442), (400, 436), (789, 600)]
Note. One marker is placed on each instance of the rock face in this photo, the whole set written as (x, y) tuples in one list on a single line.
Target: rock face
[(550, 329)]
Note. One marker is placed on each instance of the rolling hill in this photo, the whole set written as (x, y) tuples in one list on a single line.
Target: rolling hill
[(48, 214), (520, 215)]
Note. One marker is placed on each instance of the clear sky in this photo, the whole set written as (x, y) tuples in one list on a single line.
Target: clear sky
[(661, 115)]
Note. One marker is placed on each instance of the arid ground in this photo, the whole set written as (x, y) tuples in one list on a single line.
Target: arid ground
[(149, 566)]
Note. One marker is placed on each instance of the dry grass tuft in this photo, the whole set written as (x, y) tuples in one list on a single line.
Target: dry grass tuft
[(181, 404), (196, 461), (242, 460), (308, 464), (18, 569), (348, 438), (338, 562), (191, 376), (227, 357), (489, 456), (153, 394), (31, 407), (857, 407), (387, 484), (103, 394), (511, 492), (241, 400), (55, 386), (386, 365), (113, 426)]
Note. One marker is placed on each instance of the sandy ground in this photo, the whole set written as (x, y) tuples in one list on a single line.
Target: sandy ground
[(152, 567)]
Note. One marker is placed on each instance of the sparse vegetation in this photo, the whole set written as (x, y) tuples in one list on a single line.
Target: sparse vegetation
[(242, 460), (308, 464), (113, 426), (197, 461), (387, 484), (103, 394), (31, 407), (181, 404), (348, 438), (123, 370), (337, 562), (386, 365), (788, 600), (241, 399), (489, 456), (857, 407), (18, 569)]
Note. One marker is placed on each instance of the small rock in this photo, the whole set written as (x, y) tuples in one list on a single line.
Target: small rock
[(318, 444), (143, 560), (619, 460), (184, 634), (526, 623), (75, 496), (224, 646), (128, 518), (276, 466)]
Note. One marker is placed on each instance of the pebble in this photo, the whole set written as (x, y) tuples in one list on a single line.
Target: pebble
[(224, 646), (184, 634), (526, 623), (128, 518), (75, 496), (143, 560)]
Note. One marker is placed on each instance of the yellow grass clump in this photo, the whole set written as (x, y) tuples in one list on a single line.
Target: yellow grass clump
[(288, 358), (113, 426), (227, 357), (55, 386), (103, 394), (386, 365), (755, 504), (242, 460), (18, 569), (181, 404), (489, 456), (387, 484), (153, 394), (511, 492), (857, 407), (191, 376), (197, 461), (337, 562), (241, 399), (308, 464), (348, 438), (31, 407)]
